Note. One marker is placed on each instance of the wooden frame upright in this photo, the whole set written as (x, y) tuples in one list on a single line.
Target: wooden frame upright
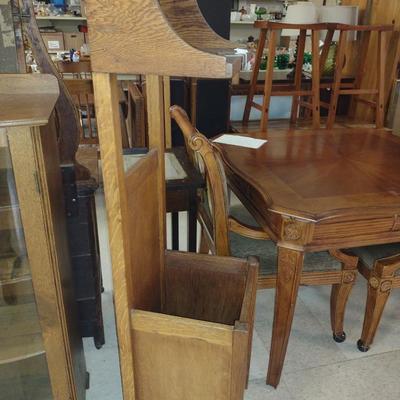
[(154, 41)]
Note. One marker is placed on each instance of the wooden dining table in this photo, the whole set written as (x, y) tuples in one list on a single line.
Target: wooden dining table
[(313, 190)]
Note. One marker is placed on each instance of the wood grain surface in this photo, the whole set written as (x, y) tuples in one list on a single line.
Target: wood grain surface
[(135, 37)]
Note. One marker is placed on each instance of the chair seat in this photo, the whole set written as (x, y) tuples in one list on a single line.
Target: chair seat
[(369, 254), (267, 250)]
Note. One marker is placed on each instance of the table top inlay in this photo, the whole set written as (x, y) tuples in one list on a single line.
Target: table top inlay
[(316, 174)]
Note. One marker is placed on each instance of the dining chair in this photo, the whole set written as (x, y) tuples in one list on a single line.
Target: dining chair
[(81, 91), (380, 266), (231, 231), (377, 93), (271, 30), (74, 70)]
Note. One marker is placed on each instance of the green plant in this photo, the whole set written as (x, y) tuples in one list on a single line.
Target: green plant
[(282, 61), (260, 11), (307, 58)]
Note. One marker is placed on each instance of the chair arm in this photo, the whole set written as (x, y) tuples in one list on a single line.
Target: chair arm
[(246, 230)]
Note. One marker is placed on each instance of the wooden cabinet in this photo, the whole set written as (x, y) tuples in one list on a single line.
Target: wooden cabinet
[(41, 354)]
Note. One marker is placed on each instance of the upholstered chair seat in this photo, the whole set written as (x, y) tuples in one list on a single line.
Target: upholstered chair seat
[(267, 252)]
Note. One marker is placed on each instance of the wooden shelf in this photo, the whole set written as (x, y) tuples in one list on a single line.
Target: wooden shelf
[(242, 22), (18, 109), (60, 18), (20, 333)]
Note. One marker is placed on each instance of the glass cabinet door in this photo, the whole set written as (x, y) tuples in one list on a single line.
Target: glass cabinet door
[(23, 367)]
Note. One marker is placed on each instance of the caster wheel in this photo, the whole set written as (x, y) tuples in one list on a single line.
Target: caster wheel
[(339, 338), (362, 347)]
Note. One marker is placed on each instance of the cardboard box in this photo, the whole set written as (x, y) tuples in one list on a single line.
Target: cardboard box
[(54, 41), (73, 40)]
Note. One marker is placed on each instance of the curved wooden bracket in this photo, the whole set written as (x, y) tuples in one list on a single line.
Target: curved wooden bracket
[(188, 21), (134, 36)]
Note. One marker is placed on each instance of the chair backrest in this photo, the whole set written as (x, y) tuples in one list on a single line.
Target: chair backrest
[(75, 70), (214, 205), (82, 93)]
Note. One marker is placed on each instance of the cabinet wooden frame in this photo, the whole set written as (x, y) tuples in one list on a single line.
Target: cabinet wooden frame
[(26, 105)]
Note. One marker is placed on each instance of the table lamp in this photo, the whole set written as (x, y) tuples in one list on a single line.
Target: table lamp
[(304, 12), (339, 14)]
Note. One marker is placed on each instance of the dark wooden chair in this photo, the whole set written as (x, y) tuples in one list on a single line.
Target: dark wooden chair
[(380, 266), (229, 231)]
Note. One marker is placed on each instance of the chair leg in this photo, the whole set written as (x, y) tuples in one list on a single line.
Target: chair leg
[(341, 291), (254, 77), (339, 296), (378, 293)]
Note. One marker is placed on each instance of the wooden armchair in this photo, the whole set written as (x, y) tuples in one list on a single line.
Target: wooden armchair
[(380, 266), (228, 231)]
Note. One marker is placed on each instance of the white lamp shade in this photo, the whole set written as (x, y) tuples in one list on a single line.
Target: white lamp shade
[(303, 12), (341, 15)]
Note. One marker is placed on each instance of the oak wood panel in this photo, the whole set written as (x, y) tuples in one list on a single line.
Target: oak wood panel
[(187, 19), (144, 228), (115, 47), (214, 292), (179, 345)]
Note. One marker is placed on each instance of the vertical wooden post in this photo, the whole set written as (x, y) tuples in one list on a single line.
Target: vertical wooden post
[(167, 117), (301, 45), (337, 79), (316, 80), (268, 80), (155, 116), (380, 103), (108, 124)]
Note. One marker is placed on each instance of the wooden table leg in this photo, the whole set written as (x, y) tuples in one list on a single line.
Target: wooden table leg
[(192, 221), (290, 264), (175, 230)]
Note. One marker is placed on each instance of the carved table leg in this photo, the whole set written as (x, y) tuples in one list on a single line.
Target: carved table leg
[(290, 264), (378, 293)]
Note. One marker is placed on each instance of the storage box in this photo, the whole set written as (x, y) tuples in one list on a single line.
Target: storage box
[(54, 41), (186, 327), (73, 40)]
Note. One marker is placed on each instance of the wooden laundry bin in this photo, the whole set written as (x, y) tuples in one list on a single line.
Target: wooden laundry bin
[(190, 316)]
